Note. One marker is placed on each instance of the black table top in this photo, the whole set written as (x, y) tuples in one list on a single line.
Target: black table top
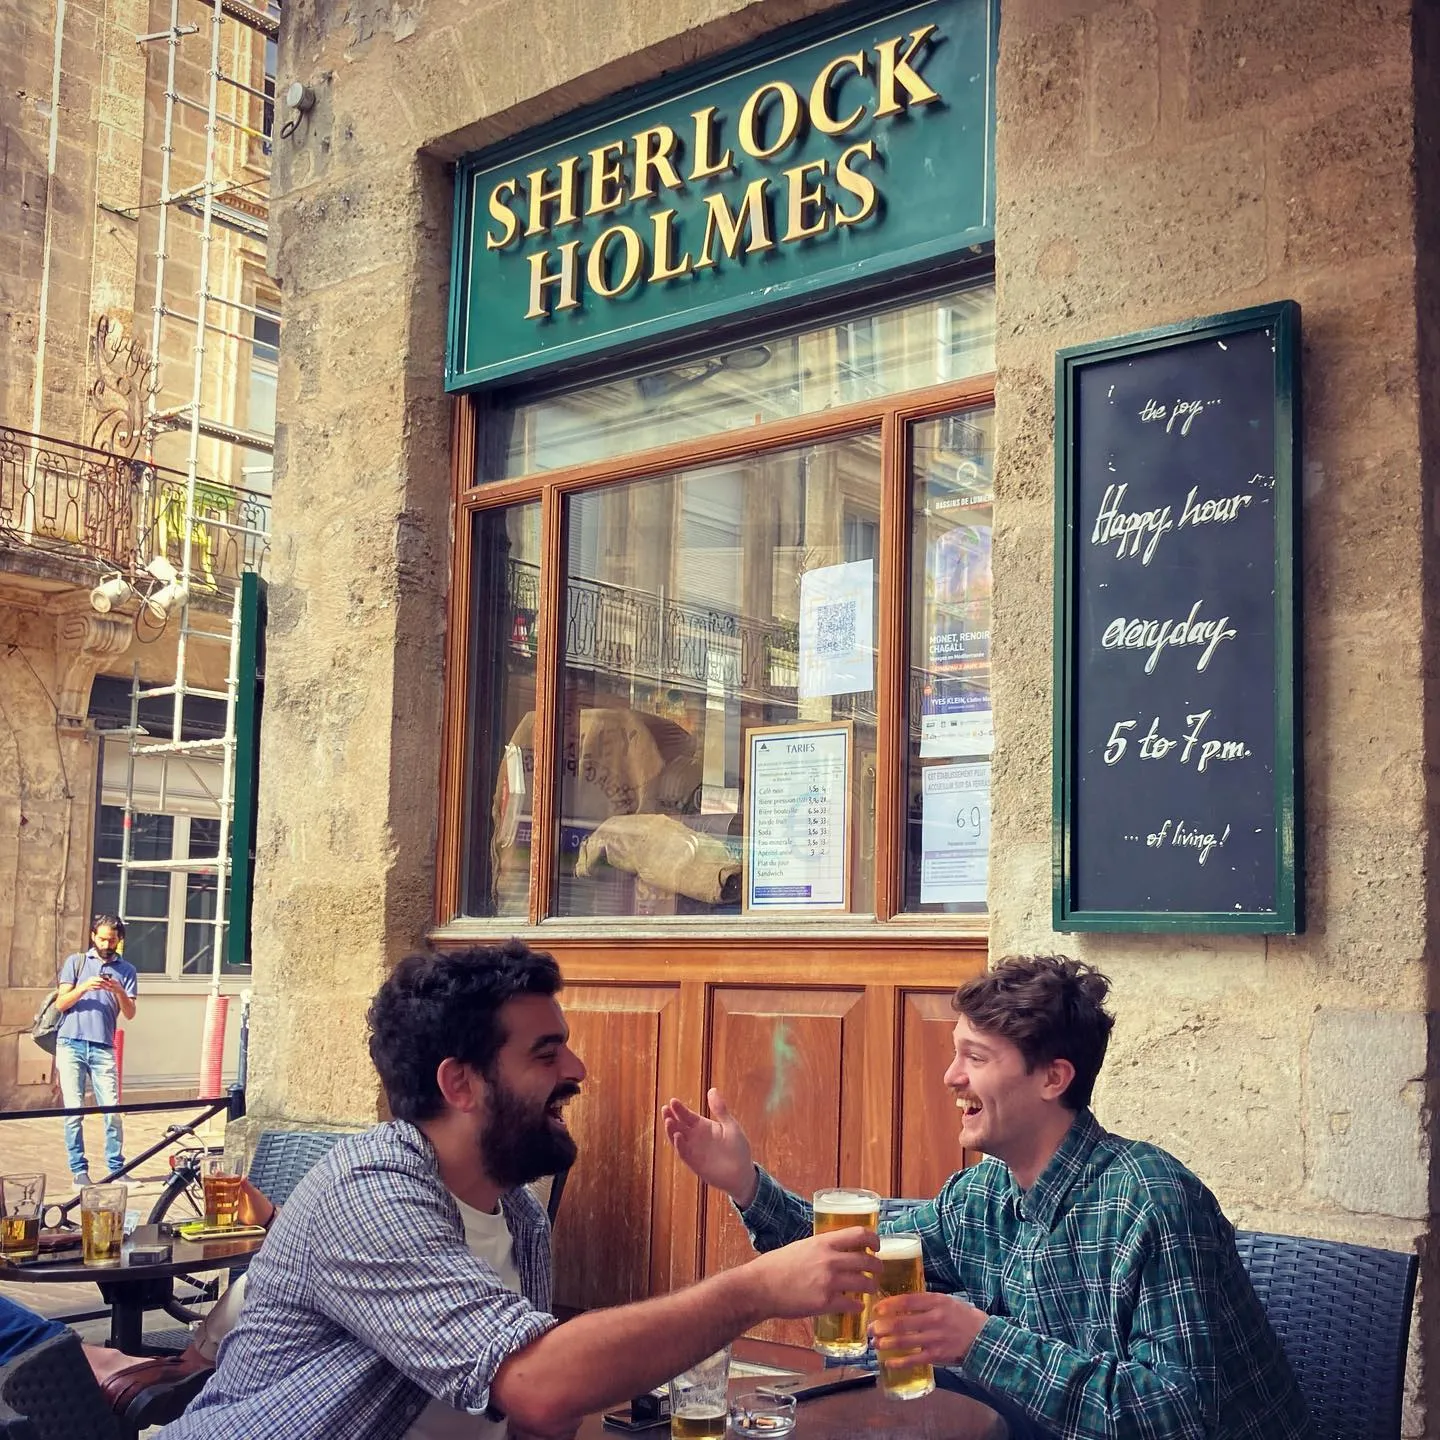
[(186, 1258)]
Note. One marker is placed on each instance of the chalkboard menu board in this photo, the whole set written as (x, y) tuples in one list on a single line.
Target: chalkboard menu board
[(1176, 720)]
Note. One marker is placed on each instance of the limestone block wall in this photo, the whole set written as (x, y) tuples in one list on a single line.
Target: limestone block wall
[(1156, 162)]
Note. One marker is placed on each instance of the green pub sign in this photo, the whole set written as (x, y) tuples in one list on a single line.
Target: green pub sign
[(821, 162)]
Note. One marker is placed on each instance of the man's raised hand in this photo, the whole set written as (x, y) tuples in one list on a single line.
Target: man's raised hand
[(716, 1149)]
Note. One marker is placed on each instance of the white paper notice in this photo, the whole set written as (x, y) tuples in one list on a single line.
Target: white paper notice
[(798, 819), (954, 833), (837, 630)]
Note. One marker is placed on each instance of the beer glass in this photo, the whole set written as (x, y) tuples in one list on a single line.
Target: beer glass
[(842, 1335), (22, 1197), (102, 1223), (221, 1181), (902, 1272), (699, 1403)]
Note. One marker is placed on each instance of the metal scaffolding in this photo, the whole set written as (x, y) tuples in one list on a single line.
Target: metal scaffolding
[(189, 589)]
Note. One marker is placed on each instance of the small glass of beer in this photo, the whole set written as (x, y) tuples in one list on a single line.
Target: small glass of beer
[(221, 1180), (102, 1223), (842, 1335), (22, 1197), (699, 1399), (902, 1272)]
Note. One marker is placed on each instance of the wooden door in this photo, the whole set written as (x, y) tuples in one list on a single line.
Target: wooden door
[(831, 1055)]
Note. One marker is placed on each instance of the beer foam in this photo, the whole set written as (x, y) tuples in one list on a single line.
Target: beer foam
[(899, 1247), (845, 1202)]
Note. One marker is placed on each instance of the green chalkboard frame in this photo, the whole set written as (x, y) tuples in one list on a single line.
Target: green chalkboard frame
[(1288, 916)]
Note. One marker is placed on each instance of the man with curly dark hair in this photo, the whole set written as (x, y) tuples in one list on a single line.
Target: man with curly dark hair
[(1085, 1285), (404, 1289)]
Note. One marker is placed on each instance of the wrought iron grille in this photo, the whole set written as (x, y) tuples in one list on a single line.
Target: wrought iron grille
[(120, 513)]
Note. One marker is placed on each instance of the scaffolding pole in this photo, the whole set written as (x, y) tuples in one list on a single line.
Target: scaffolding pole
[(197, 198)]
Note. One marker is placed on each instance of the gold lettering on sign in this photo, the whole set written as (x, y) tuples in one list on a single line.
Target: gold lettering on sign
[(820, 116), (499, 210), (706, 165), (660, 241), (727, 225), (607, 178), (653, 148), (665, 267), (597, 268), (563, 191), (566, 280), (800, 199), (749, 124), (857, 183), (895, 70)]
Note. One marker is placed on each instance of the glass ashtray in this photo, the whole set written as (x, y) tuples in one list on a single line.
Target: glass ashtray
[(762, 1413)]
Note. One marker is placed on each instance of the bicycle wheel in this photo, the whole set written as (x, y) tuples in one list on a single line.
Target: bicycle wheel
[(181, 1201), (184, 1195)]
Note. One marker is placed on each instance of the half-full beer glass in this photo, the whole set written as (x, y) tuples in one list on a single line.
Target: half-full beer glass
[(902, 1272), (842, 1335), (22, 1198)]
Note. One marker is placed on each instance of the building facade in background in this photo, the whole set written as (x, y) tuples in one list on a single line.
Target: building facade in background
[(533, 630), (134, 196)]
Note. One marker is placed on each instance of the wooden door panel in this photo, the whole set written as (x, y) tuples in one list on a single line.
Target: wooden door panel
[(782, 1059), (929, 1145), (604, 1235)]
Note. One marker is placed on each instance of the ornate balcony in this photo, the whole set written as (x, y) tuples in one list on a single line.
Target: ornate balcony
[(77, 502)]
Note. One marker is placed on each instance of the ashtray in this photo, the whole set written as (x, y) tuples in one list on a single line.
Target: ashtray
[(762, 1412)]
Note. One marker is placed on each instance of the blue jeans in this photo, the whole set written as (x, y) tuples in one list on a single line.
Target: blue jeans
[(77, 1061)]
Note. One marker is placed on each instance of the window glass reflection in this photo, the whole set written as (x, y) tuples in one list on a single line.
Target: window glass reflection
[(951, 729), (906, 348), (696, 610)]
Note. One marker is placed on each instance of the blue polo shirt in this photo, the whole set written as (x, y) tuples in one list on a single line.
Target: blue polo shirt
[(93, 1016)]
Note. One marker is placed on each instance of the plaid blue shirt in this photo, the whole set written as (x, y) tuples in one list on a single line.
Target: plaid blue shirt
[(1119, 1309), (364, 1302)]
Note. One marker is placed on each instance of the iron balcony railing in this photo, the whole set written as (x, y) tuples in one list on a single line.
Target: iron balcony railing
[(74, 500)]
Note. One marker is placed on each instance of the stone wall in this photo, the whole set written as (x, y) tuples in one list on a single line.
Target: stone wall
[(1155, 162), (1161, 162)]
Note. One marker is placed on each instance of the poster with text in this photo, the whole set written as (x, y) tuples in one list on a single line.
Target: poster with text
[(837, 630), (798, 817), (954, 833)]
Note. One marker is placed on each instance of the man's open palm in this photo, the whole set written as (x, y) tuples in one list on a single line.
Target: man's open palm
[(716, 1149)]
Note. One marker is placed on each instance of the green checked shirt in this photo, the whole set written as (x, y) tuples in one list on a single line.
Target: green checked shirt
[(1119, 1309)]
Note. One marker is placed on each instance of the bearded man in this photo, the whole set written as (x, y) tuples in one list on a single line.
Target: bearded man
[(404, 1289)]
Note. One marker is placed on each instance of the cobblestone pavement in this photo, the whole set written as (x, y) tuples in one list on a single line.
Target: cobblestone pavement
[(29, 1145)]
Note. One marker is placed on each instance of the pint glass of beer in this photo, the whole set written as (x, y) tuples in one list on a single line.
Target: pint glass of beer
[(102, 1223), (902, 1272), (699, 1399), (22, 1197), (842, 1335), (221, 1181)]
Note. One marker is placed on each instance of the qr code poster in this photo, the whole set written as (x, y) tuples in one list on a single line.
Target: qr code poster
[(837, 630)]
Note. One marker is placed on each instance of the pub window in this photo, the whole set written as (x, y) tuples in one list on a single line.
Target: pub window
[(782, 542)]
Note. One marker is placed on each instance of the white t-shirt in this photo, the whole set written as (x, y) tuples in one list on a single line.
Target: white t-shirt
[(487, 1237)]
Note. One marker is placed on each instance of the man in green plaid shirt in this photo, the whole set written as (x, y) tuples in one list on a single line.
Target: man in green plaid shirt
[(1086, 1285)]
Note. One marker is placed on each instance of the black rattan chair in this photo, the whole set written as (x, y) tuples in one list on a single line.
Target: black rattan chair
[(283, 1158), (49, 1393), (1342, 1312)]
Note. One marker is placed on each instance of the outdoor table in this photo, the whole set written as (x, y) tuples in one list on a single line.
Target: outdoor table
[(863, 1414), (131, 1290)]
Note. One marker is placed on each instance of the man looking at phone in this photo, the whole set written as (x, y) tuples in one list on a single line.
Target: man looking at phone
[(1085, 1285), (404, 1288), (95, 989)]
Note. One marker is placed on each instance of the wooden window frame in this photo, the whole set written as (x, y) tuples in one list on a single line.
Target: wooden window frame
[(891, 416)]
